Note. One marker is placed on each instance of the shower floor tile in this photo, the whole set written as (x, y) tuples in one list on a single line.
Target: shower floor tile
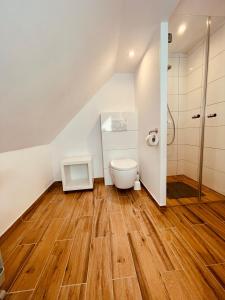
[(182, 190), (176, 190)]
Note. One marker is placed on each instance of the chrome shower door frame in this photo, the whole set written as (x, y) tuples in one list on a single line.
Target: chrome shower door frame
[(204, 100)]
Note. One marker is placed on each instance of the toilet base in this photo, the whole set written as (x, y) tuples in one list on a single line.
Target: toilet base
[(124, 179)]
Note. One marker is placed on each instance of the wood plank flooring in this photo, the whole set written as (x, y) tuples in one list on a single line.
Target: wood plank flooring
[(209, 194), (110, 244)]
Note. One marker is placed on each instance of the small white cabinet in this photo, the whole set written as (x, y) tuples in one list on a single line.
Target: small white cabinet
[(77, 173)]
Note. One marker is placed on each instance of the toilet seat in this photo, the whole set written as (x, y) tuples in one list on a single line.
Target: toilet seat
[(123, 164)]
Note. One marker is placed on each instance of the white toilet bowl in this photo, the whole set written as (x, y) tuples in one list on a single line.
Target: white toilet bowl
[(124, 172)]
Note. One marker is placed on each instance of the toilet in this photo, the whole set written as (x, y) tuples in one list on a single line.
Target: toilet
[(123, 172)]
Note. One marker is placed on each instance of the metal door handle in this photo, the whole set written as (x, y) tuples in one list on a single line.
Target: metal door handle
[(196, 116), (211, 115)]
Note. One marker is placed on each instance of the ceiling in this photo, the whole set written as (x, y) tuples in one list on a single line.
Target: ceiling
[(56, 54), (139, 18), (201, 7), (194, 14), (196, 27)]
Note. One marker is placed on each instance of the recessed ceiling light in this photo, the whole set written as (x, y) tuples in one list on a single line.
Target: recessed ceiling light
[(131, 53), (181, 29)]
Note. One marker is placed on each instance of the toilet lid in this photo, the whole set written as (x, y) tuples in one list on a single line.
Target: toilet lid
[(123, 164)]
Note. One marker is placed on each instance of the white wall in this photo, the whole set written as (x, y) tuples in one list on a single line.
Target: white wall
[(83, 134), (151, 99), (24, 176), (54, 56)]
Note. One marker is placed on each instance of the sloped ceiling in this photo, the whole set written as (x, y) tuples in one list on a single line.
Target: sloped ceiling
[(201, 7), (137, 26), (55, 54)]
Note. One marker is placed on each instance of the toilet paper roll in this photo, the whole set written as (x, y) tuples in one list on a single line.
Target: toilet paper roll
[(152, 139)]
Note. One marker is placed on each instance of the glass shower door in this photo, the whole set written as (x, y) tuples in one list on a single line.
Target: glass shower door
[(213, 171), (185, 92)]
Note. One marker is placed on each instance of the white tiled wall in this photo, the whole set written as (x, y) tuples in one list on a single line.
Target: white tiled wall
[(185, 96), (173, 101), (214, 153), (176, 97)]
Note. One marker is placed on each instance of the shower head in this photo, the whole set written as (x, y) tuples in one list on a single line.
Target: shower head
[(169, 67)]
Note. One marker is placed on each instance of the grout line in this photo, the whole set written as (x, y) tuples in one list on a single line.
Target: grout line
[(194, 70), (212, 126), (125, 277), (215, 264), (219, 53), (214, 103), (28, 244), (61, 240), (17, 292), (75, 284), (206, 167), (199, 146), (197, 108), (221, 77), (199, 127), (28, 221)]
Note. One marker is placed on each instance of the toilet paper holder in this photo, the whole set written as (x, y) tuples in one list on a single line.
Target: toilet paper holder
[(152, 138), (153, 131)]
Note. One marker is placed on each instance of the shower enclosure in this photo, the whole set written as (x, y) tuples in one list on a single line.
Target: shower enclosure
[(196, 110)]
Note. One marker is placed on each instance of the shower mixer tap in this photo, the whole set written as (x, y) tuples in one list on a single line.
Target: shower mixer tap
[(211, 115), (196, 116)]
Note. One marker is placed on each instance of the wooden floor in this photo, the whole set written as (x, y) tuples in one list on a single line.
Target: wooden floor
[(107, 245), (209, 194)]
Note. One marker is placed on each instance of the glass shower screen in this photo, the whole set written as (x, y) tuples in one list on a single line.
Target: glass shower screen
[(189, 113)]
